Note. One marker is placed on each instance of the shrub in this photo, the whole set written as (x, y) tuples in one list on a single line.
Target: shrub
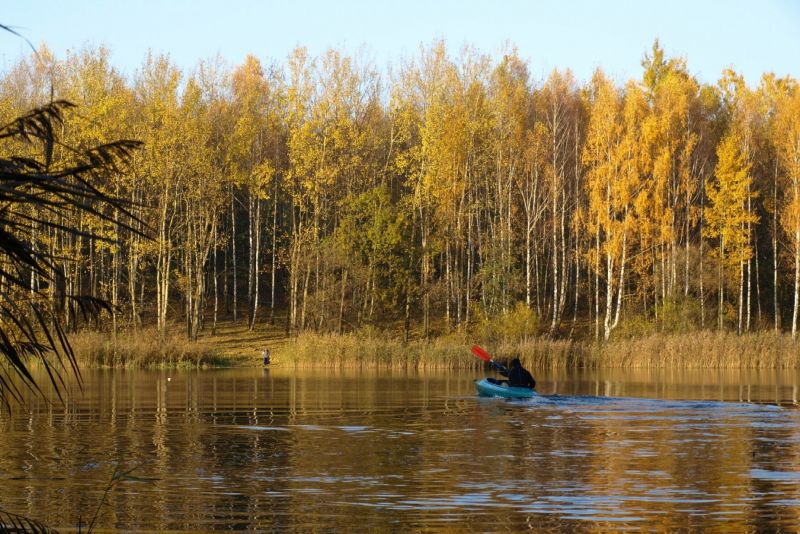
[(516, 325)]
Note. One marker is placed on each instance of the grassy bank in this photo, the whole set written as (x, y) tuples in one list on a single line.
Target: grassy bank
[(689, 351), (353, 350), (234, 344), (703, 349), (453, 352), (142, 349)]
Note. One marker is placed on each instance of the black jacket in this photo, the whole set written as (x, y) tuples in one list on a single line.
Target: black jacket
[(519, 377)]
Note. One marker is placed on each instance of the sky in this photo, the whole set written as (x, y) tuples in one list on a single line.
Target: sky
[(751, 36)]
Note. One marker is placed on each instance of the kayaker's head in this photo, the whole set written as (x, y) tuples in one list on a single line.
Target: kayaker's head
[(515, 363)]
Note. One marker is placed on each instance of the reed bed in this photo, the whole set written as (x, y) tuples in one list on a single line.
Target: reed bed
[(141, 349), (354, 350), (448, 352), (700, 350), (696, 350), (542, 352)]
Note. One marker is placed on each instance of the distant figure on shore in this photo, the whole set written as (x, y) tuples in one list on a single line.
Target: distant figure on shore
[(265, 356)]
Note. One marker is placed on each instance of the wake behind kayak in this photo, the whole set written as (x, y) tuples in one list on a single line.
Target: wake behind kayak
[(487, 388)]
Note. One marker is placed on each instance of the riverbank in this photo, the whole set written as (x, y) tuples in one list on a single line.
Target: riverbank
[(235, 345), (232, 345), (142, 349), (697, 350)]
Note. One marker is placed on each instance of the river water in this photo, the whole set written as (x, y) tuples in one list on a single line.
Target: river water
[(379, 451)]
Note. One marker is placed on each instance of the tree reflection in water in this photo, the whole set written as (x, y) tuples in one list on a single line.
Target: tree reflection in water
[(239, 449)]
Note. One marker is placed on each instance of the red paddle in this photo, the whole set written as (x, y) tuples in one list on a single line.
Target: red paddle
[(480, 353), (483, 355)]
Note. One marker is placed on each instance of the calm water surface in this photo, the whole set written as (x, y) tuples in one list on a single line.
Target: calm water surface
[(394, 451)]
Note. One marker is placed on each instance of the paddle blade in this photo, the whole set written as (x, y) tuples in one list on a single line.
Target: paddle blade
[(480, 353)]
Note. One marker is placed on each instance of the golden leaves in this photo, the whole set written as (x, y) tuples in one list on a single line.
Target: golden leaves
[(727, 215)]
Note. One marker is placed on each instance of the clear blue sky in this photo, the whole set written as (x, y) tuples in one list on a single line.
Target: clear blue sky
[(752, 36)]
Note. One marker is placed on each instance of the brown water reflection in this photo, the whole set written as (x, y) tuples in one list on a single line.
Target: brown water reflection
[(391, 451)]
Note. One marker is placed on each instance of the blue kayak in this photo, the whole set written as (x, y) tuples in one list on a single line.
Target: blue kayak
[(490, 389)]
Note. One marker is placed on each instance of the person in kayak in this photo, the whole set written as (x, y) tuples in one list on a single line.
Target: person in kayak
[(518, 376)]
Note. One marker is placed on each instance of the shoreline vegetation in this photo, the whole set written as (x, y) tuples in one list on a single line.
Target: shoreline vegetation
[(235, 345), (395, 222)]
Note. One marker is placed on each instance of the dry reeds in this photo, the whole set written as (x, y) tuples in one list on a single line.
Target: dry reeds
[(447, 352), (696, 350), (701, 349), (140, 349), (354, 350)]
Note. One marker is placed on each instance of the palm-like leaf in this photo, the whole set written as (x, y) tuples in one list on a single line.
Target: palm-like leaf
[(36, 196), (16, 523)]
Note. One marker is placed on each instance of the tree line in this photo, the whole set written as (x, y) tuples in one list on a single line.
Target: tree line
[(326, 195)]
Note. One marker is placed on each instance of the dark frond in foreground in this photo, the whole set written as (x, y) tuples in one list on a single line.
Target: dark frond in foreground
[(41, 197), (13, 523)]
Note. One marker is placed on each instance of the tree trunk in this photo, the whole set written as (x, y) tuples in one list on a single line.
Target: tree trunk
[(115, 269), (620, 291), (740, 305), (749, 301), (274, 253), (426, 303), (554, 235), (702, 272), (564, 260), (163, 261), (407, 314), (256, 261), (468, 282), (341, 300), (528, 260), (305, 297), (775, 307), (597, 288), (686, 245), (796, 282), (758, 283), (609, 295), (721, 283), (233, 256), (216, 293), (294, 270)]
